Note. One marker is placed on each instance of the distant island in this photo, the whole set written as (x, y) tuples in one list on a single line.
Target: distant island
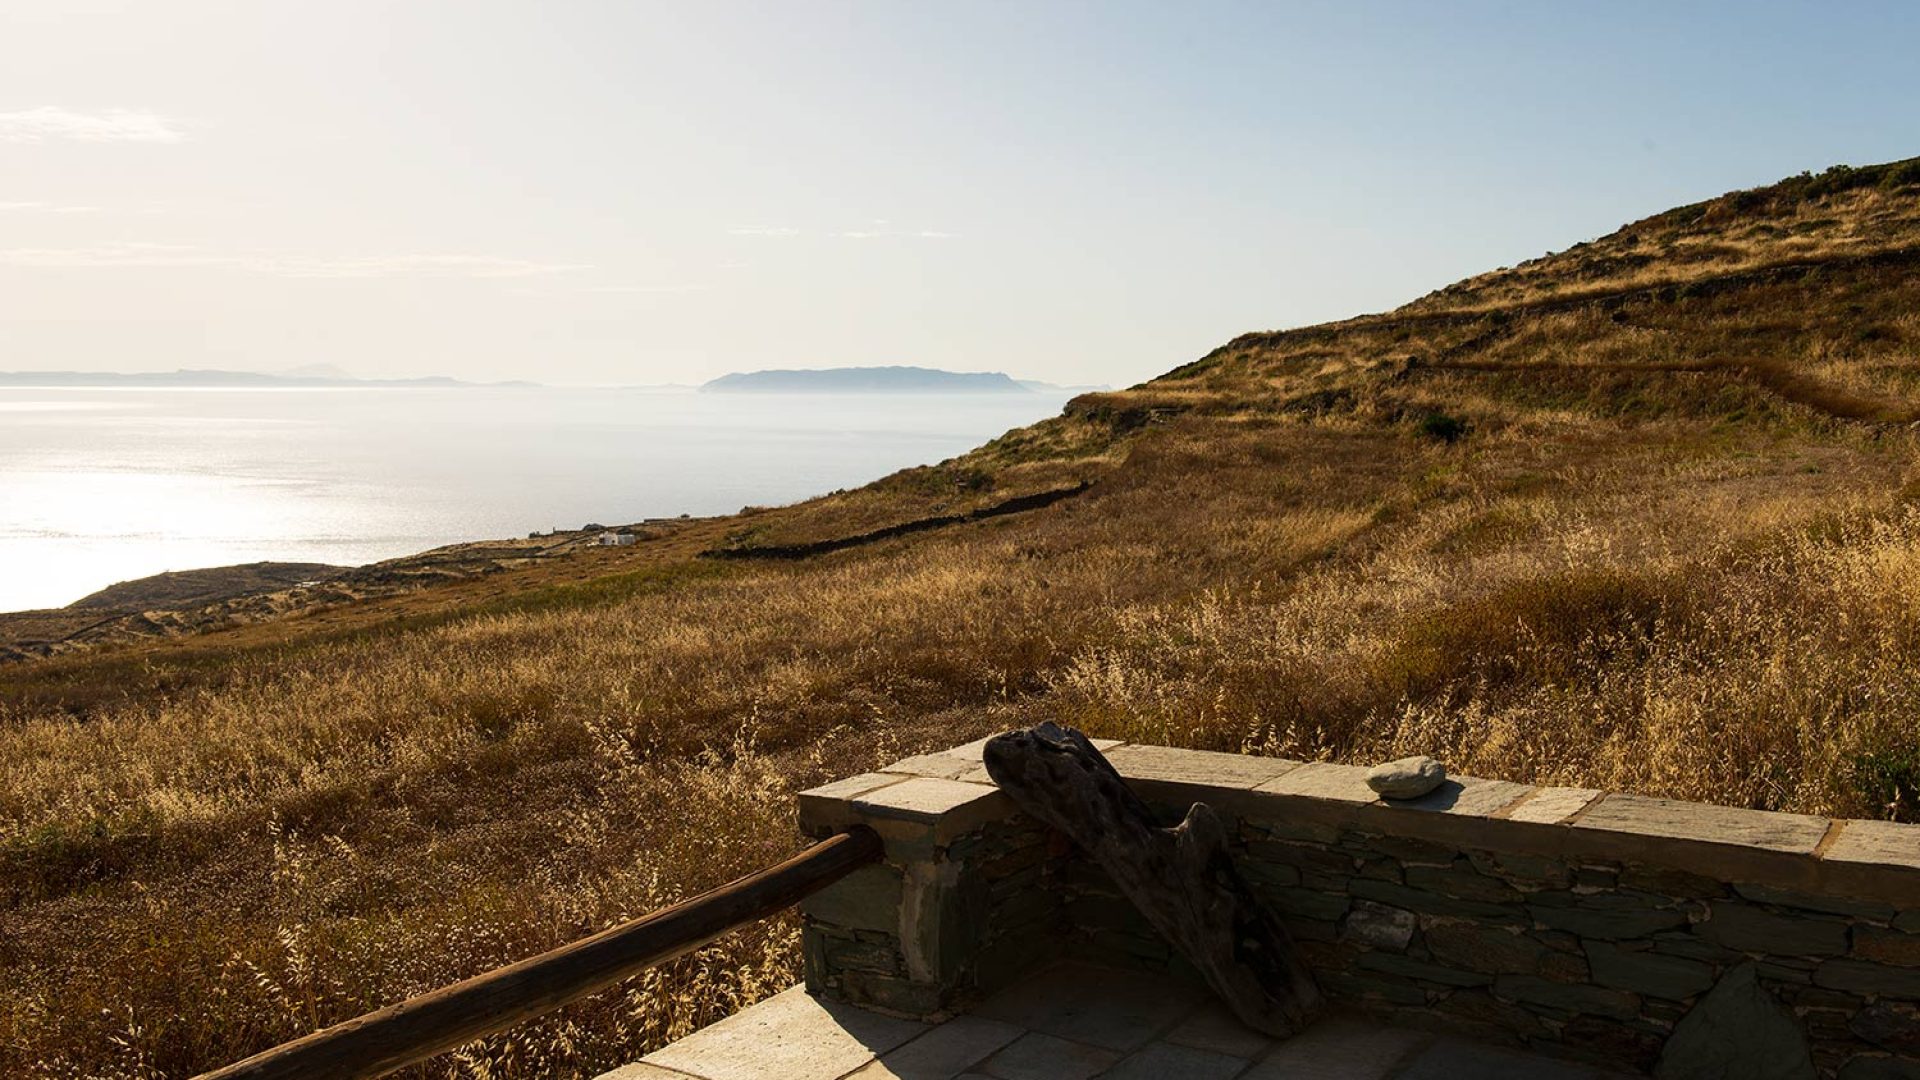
[(318, 375), (866, 380), (849, 380)]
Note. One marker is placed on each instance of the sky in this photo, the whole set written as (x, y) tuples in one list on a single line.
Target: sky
[(582, 192)]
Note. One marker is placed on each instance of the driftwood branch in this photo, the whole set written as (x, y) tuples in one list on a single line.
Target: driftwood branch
[(1182, 879)]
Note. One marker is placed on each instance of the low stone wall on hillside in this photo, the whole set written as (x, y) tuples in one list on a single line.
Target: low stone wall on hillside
[(1576, 922)]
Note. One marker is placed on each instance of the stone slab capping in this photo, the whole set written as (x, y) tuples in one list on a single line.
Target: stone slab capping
[(1574, 922)]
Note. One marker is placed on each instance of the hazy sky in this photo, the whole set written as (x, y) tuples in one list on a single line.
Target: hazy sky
[(588, 192)]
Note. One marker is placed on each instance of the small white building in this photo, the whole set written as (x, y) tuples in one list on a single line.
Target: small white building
[(616, 539)]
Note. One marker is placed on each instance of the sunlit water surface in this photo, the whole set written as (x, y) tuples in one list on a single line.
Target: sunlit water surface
[(99, 485)]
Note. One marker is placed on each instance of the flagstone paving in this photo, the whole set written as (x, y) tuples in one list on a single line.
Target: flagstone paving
[(1073, 1021)]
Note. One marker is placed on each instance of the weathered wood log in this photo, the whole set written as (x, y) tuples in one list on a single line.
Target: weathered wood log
[(420, 1027), (1182, 879)]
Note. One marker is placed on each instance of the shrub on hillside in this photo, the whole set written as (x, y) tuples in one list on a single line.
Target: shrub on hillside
[(1442, 427)]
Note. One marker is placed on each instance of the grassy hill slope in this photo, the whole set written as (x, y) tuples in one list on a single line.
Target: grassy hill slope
[(1639, 515)]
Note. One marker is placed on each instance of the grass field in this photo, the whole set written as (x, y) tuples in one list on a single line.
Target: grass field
[(1644, 515)]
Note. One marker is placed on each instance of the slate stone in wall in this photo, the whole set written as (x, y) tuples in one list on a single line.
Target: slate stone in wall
[(1889, 1025), (891, 994), (1405, 896), (1737, 1032), (1381, 870), (1865, 977), (1408, 967), (1306, 903), (1408, 850), (1486, 1012), (1603, 877), (1610, 1043), (1830, 905), (867, 899), (1787, 970), (1825, 1026), (1258, 872), (1361, 986), (1492, 949), (1607, 925), (1378, 926), (1670, 882), (1685, 944), (1647, 972), (1462, 882), (1815, 997), (1302, 856), (1535, 871), (1756, 930), (1886, 946), (1025, 907), (1570, 997), (863, 956)]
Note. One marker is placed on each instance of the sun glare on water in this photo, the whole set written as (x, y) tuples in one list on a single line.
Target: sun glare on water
[(136, 523)]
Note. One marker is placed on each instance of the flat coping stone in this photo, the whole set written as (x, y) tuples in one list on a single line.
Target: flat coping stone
[(1552, 805), (791, 1034), (940, 766), (830, 806), (1468, 795), (1460, 811), (953, 807), (1791, 834), (852, 786), (1202, 768), (1323, 780), (640, 1070), (1882, 843)]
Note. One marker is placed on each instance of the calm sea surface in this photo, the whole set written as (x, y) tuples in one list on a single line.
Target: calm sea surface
[(99, 485)]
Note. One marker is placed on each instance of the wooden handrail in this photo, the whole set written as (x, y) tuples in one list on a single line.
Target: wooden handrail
[(439, 1020)]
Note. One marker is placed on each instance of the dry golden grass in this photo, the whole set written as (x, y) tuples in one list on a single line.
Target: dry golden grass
[(1842, 213), (1670, 547)]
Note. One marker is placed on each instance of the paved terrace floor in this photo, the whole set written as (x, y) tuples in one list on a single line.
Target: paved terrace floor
[(1071, 1022)]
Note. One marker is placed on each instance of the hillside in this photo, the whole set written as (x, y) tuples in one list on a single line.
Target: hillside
[(181, 588), (1639, 515), (207, 609)]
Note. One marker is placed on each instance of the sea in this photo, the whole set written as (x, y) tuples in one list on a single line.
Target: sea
[(106, 484)]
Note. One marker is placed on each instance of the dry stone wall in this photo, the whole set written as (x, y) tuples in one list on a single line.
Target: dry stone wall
[(1613, 928)]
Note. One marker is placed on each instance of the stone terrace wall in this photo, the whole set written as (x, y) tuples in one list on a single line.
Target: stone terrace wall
[(1572, 921)]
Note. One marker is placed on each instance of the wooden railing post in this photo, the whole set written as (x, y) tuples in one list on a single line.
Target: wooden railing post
[(437, 1021)]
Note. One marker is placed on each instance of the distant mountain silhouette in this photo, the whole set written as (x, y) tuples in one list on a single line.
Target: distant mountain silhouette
[(865, 380), (214, 377)]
